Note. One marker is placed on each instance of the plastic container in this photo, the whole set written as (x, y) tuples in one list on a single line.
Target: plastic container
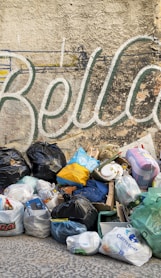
[(109, 226)]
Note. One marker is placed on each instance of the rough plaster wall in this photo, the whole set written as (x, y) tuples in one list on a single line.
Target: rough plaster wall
[(157, 18), (40, 27), (43, 24)]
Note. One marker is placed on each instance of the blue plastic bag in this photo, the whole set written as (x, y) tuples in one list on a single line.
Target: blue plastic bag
[(94, 191), (82, 158), (60, 229)]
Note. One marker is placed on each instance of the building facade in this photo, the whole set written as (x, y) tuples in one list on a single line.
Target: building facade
[(80, 73)]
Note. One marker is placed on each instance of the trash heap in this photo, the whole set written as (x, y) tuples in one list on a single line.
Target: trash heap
[(99, 201)]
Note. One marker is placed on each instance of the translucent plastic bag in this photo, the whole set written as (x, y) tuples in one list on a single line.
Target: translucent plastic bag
[(44, 185), (29, 180), (143, 166), (20, 192), (147, 219), (50, 198), (37, 222), (126, 244), (61, 229), (82, 158), (11, 221), (86, 243), (127, 189), (157, 181), (78, 169)]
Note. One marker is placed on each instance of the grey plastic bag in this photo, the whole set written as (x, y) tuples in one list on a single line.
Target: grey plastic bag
[(37, 222)]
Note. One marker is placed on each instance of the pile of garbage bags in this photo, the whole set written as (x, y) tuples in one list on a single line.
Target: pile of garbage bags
[(98, 201)]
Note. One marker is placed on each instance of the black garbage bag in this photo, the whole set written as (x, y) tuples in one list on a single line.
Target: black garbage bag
[(46, 160), (77, 208), (13, 167)]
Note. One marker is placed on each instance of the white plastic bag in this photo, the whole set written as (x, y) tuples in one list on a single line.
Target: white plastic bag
[(86, 243), (126, 244), (127, 189), (37, 222), (29, 180), (44, 185), (50, 198), (46, 191), (11, 221), (19, 191)]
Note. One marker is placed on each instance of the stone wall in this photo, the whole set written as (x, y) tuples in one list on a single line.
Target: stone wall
[(79, 72)]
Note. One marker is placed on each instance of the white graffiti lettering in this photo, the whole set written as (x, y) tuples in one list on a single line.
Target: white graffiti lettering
[(74, 118), (19, 95)]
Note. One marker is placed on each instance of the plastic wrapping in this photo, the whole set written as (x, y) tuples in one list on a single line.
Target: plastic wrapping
[(82, 158), (143, 166), (20, 192), (11, 220), (157, 181), (146, 218), (32, 181), (43, 185), (126, 244), (79, 209), (73, 175), (127, 189), (12, 167), (60, 230), (78, 169), (86, 243), (36, 219), (46, 160), (50, 198), (94, 191)]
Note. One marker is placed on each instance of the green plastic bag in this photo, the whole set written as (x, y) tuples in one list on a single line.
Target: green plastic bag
[(147, 219)]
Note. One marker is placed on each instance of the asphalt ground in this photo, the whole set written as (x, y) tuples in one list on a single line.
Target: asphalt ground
[(31, 257)]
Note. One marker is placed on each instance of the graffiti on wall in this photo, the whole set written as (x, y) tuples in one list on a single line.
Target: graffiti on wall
[(38, 118)]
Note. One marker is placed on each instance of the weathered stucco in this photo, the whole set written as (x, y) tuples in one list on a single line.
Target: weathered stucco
[(112, 99)]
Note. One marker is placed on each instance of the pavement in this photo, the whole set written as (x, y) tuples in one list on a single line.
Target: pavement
[(26, 256)]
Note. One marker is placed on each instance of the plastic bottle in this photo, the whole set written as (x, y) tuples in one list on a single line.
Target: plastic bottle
[(157, 181)]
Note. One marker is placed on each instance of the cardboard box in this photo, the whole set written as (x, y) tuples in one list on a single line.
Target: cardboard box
[(109, 205)]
